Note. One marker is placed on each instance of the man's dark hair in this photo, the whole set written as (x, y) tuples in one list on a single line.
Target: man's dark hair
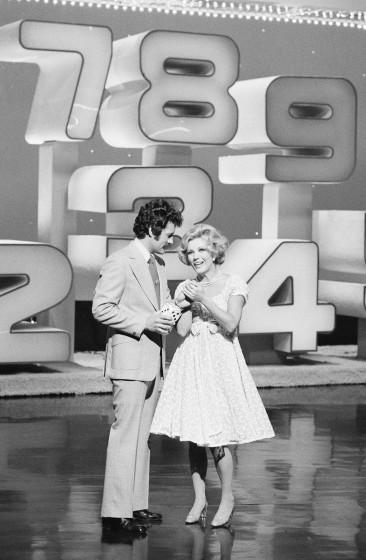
[(156, 214)]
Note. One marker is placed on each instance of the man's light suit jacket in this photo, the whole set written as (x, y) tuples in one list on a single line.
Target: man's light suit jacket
[(124, 297)]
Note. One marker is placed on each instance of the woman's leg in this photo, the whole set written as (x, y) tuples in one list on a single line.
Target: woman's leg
[(224, 466), (198, 465)]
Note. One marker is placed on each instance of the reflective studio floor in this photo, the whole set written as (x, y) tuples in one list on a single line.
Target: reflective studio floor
[(299, 496)]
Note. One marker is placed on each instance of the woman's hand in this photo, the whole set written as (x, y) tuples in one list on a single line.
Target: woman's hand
[(181, 300), (194, 291)]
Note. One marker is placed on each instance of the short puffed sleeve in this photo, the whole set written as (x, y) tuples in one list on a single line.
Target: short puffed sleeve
[(179, 288), (238, 287)]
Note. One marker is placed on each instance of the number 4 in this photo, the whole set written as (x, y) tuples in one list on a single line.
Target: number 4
[(283, 291)]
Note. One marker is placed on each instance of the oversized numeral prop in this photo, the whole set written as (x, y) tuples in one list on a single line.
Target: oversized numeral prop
[(170, 87), (308, 122), (303, 131), (116, 191), (73, 63), (33, 277), (299, 131), (349, 298), (341, 236), (283, 282)]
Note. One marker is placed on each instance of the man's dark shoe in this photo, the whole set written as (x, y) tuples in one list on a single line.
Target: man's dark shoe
[(112, 537), (126, 526), (146, 516)]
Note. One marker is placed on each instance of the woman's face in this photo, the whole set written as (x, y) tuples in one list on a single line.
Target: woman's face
[(199, 256)]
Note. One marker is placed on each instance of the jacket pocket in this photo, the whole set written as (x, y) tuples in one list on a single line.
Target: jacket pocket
[(126, 355)]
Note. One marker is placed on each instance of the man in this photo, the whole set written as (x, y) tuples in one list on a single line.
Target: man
[(130, 291)]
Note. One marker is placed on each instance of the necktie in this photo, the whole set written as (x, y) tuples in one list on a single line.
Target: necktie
[(154, 275)]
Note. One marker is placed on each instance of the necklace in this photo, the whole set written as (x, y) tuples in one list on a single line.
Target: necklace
[(212, 281)]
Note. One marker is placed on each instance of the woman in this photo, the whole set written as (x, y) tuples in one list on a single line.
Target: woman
[(209, 397)]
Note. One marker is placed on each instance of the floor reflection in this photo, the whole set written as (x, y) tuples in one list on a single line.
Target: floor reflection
[(301, 495)]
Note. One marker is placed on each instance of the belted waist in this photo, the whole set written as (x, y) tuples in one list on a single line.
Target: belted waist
[(198, 326)]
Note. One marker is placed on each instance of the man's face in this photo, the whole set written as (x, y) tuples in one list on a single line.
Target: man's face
[(159, 244)]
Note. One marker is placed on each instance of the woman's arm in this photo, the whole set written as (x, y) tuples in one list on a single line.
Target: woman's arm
[(230, 318), (185, 320), (184, 323)]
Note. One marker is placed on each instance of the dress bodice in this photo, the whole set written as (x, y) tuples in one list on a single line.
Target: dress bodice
[(201, 313), (233, 285)]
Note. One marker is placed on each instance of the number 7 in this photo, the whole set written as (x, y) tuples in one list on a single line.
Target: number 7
[(74, 61)]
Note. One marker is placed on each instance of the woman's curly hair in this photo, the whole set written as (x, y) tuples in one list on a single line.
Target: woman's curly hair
[(216, 242), (155, 215)]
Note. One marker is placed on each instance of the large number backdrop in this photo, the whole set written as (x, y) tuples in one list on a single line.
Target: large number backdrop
[(249, 115)]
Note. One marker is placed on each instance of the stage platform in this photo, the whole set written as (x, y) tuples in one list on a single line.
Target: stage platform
[(330, 365), (299, 496)]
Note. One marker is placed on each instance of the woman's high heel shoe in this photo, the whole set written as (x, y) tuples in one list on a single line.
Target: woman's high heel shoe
[(192, 519), (219, 523)]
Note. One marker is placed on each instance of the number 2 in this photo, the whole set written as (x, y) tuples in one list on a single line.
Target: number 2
[(33, 277)]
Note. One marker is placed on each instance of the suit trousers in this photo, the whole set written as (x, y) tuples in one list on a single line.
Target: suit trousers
[(126, 482)]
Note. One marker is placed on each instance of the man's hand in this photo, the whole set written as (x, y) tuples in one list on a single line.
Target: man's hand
[(159, 323)]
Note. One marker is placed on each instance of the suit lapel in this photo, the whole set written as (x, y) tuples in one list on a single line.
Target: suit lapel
[(142, 274)]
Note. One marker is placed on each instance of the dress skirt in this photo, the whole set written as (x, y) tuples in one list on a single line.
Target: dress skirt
[(209, 396)]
